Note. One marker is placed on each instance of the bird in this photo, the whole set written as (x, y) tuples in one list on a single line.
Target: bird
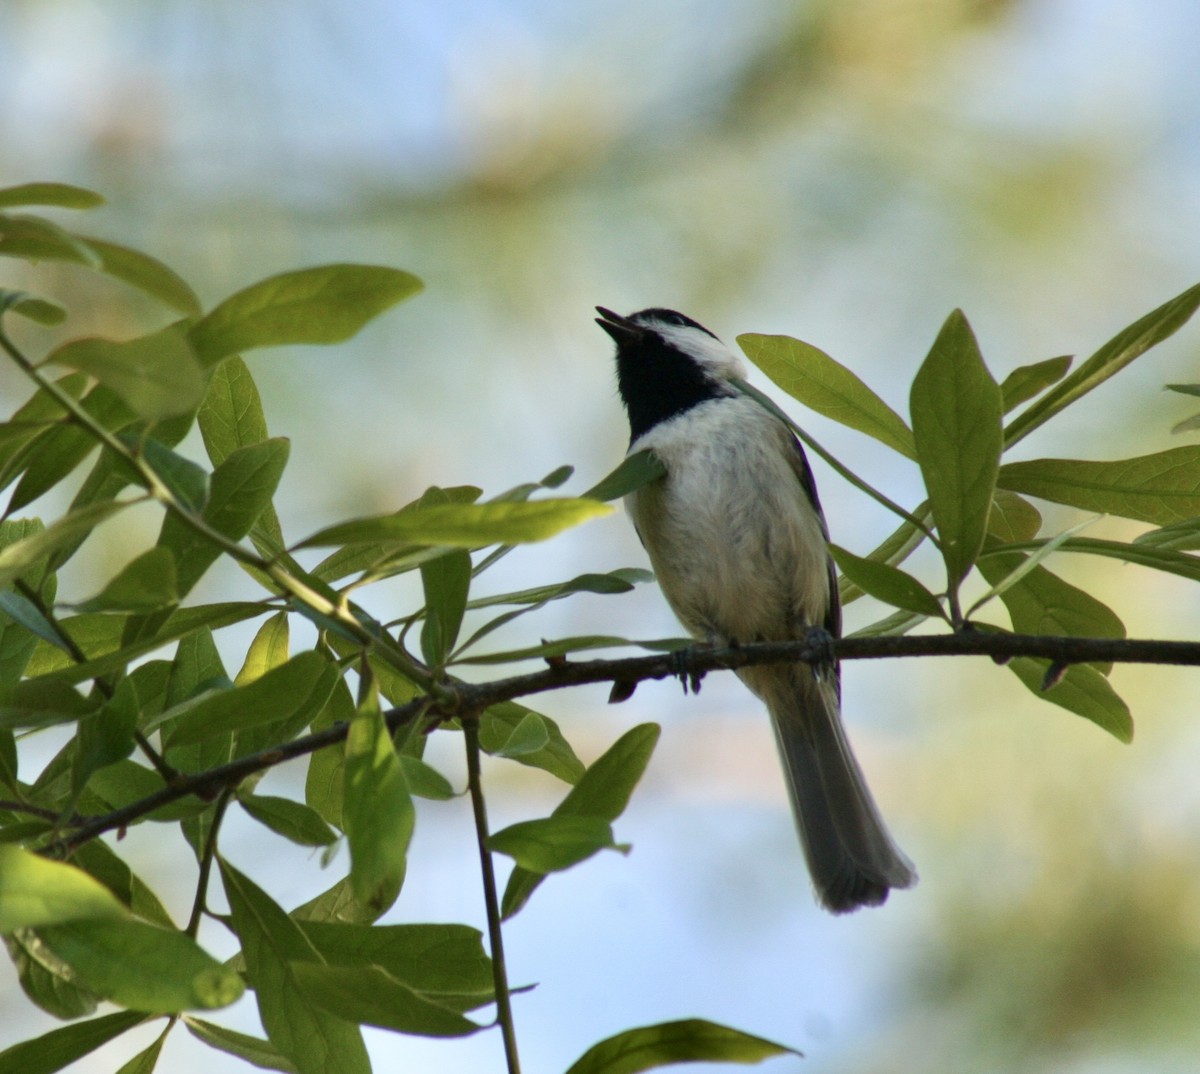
[(735, 534)]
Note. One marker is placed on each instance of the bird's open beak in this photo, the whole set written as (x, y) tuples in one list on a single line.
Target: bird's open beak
[(620, 328)]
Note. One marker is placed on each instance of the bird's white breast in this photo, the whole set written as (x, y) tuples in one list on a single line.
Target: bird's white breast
[(737, 546)]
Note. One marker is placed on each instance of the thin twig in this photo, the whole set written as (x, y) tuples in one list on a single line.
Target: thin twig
[(206, 860), (504, 1014)]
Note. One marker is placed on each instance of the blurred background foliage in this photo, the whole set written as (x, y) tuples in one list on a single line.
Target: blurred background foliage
[(845, 171)]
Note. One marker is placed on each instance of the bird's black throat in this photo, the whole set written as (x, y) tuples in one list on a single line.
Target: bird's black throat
[(658, 382)]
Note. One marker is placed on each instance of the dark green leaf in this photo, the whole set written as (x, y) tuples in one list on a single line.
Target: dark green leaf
[(447, 581), (1180, 536), (603, 791), (106, 736), (142, 966), (1082, 690), (551, 844), (157, 375), (336, 904), (1013, 518), (828, 387), (378, 814), (1115, 355), (1023, 383), (324, 788), (45, 979), (1162, 488), (314, 1041), (147, 1059), (64, 195), (689, 1041), (43, 703), (102, 862), (369, 995), (292, 820), (32, 422), (35, 891), (637, 471), (260, 1053), (889, 584), (145, 584), (619, 581), (956, 411), (425, 781), (187, 481), (60, 1047), (566, 646), (327, 304)]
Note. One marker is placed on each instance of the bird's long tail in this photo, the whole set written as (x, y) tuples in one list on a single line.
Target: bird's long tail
[(851, 856)]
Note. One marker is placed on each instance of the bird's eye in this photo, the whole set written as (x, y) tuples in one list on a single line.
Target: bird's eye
[(677, 319)]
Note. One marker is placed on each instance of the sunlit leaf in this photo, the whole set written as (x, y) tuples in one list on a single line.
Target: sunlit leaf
[(326, 304), (231, 415), (1082, 690), (468, 525), (822, 384), (157, 375), (144, 967), (378, 814), (668, 1043), (1161, 488), (496, 727), (292, 820), (35, 891), (63, 195)]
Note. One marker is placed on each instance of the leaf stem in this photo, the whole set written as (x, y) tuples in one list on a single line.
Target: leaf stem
[(206, 862), (504, 1015)]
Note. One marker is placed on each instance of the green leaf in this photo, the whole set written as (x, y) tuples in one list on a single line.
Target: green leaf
[(378, 814), (1082, 690), (690, 1041), (447, 582), (888, 584), (1042, 603), (327, 304), (621, 580), (22, 611), (1161, 488), (142, 966), (551, 844), (566, 646), (324, 788), (101, 862), (64, 195), (35, 891), (603, 791), (241, 490), (1115, 355), (529, 736), (40, 311), (956, 410), (145, 584), (1023, 383), (636, 471), (302, 684), (34, 239), (1013, 518), (446, 963), (260, 1053), (271, 648), (1179, 536), (314, 1041), (426, 781), (106, 736), (147, 1059), (496, 727), (828, 387), (369, 995), (21, 556), (231, 415), (157, 375), (468, 525), (32, 422), (147, 274), (60, 1047), (45, 979), (292, 820)]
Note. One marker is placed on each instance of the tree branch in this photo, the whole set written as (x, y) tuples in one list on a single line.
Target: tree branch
[(688, 664)]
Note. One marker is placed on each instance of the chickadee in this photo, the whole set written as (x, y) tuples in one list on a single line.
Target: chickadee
[(737, 540)]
